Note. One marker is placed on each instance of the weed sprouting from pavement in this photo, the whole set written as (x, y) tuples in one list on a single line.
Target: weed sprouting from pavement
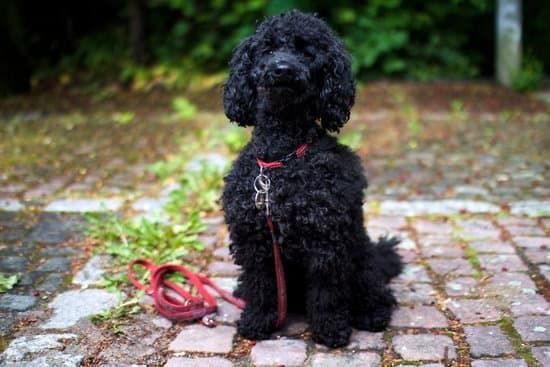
[(171, 234), (8, 282)]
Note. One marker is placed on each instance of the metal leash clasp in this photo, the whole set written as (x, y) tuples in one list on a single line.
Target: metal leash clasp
[(262, 183)]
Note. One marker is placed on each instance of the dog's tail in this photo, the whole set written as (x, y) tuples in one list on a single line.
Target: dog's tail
[(388, 259)]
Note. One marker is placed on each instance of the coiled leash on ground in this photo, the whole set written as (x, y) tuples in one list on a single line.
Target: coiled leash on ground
[(195, 307)]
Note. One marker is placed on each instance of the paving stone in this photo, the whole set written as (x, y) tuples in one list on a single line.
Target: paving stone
[(414, 293), (25, 346), (83, 205), (222, 253), (227, 312), (11, 205), (46, 190), (509, 285), (463, 286), (492, 247), (533, 242), (537, 256), (499, 363), (531, 208), (10, 264), (11, 236), (285, 352), (418, 317), (10, 190), (477, 228), (414, 273), (423, 347), (423, 226), (545, 271), (223, 268), (408, 256), (524, 231), (216, 160), (213, 221), (363, 340), (54, 250), (443, 251), (474, 310), (198, 362), (70, 306), (51, 230), (470, 191), (161, 322), (390, 222), (226, 283), (295, 325), (442, 207), (209, 241), (451, 266), (529, 304), (363, 359), (517, 221), (199, 338), (93, 271), (487, 341), (431, 240), (542, 354), (501, 262), (57, 264), (422, 365), (533, 328), (56, 359), (150, 204), (51, 282), (17, 303)]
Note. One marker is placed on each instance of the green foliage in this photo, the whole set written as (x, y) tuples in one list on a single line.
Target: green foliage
[(352, 139), (115, 318), (184, 108), (8, 282), (406, 38), (423, 40), (530, 75)]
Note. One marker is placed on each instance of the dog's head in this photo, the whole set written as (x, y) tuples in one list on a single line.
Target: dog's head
[(293, 61)]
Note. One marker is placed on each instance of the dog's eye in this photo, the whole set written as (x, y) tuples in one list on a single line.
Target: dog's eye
[(300, 43)]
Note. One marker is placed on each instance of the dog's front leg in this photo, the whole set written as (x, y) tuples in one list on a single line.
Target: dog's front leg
[(327, 300), (257, 286)]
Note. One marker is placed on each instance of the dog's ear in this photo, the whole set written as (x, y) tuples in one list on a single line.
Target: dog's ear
[(239, 93), (338, 91)]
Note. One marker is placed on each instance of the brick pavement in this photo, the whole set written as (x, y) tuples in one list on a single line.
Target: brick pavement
[(476, 230), (477, 301)]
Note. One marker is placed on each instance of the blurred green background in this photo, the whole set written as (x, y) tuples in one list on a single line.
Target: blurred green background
[(141, 43)]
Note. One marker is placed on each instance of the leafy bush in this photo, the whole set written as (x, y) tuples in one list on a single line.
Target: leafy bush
[(529, 76), (391, 38)]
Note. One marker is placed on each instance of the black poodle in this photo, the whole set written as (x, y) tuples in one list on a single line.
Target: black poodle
[(292, 81)]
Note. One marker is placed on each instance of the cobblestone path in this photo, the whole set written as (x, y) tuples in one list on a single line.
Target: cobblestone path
[(476, 238)]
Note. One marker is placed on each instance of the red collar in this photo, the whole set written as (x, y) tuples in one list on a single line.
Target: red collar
[(298, 153)]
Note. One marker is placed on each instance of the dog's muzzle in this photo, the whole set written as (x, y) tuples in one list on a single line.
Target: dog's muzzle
[(284, 70)]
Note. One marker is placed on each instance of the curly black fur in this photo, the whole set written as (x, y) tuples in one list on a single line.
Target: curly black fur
[(292, 81)]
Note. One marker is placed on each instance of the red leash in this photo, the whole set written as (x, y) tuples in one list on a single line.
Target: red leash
[(196, 307), (172, 308)]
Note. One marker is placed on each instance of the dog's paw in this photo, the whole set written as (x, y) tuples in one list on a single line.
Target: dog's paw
[(374, 321), (333, 335), (255, 326)]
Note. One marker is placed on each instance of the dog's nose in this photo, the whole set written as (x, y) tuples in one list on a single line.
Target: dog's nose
[(281, 68)]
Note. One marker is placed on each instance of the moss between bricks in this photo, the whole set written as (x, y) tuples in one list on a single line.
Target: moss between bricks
[(521, 349)]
